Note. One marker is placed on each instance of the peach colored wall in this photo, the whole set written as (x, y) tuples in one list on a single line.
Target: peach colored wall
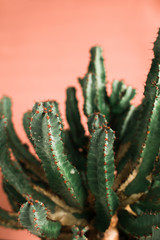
[(44, 47)]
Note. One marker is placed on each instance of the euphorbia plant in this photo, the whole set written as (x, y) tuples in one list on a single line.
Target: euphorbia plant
[(77, 182)]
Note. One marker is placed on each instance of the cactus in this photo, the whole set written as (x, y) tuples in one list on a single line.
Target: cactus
[(78, 233), (77, 182)]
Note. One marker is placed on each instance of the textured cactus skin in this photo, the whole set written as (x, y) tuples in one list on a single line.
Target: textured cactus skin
[(77, 182), (100, 173), (78, 233), (33, 216)]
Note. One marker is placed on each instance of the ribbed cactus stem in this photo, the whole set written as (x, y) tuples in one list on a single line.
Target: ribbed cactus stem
[(79, 233), (33, 216)]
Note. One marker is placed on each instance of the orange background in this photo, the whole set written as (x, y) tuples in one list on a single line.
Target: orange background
[(44, 47)]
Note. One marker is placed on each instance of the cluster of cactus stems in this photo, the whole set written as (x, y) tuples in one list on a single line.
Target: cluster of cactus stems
[(76, 182)]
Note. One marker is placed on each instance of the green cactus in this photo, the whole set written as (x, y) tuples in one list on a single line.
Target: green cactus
[(33, 216), (78, 233), (77, 182)]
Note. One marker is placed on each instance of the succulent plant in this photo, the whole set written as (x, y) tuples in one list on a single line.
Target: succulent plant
[(76, 182)]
